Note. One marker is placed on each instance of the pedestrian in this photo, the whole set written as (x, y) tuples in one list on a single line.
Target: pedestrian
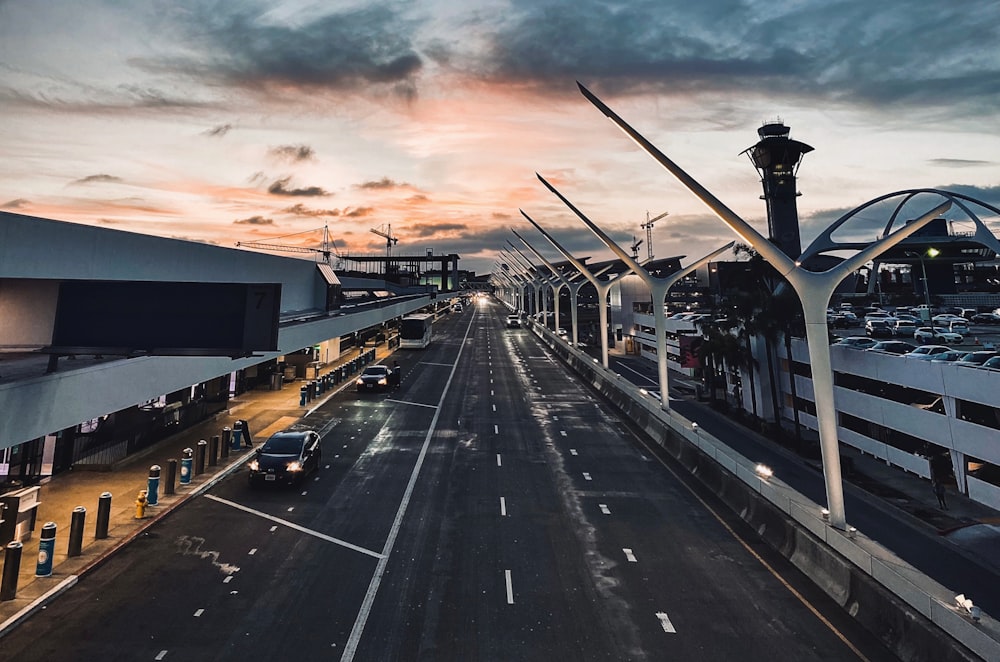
[(939, 493)]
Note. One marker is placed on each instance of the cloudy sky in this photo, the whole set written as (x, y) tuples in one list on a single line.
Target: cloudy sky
[(237, 120)]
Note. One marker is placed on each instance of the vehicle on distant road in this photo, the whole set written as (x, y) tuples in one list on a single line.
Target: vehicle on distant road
[(377, 378), (287, 457), (926, 334)]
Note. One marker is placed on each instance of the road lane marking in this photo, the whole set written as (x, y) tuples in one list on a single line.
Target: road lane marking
[(586, 476), (292, 525), (510, 587), (351, 647), (629, 555), (604, 508), (503, 507), (198, 613), (415, 404), (572, 451), (499, 464), (665, 623)]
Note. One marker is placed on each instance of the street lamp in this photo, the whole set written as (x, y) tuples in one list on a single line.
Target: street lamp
[(931, 252)]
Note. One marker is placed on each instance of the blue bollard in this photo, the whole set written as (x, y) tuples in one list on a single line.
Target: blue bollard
[(237, 436), (153, 485), (46, 550), (302, 396), (186, 466)]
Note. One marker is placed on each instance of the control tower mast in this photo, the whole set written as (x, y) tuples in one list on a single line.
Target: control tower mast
[(776, 158)]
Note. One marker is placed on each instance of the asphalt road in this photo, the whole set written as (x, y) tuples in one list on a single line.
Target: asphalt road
[(490, 508)]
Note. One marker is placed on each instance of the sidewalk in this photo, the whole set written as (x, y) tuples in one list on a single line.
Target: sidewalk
[(265, 411)]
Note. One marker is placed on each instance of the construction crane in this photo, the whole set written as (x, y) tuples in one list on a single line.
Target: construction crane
[(635, 247), (648, 227), (387, 235), (327, 249)]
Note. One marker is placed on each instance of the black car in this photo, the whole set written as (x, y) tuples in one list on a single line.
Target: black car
[(286, 458), (377, 378)]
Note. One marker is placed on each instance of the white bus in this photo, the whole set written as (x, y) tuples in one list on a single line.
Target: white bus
[(415, 331)]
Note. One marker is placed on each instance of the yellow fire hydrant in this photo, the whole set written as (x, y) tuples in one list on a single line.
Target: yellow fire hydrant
[(140, 505)]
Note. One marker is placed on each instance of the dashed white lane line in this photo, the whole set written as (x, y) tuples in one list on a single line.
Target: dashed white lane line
[(562, 433), (586, 476), (503, 507), (292, 525), (499, 463), (629, 555), (162, 654), (604, 508), (665, 622), (510, 587), (572, 451), (199, 613), (252, 551)]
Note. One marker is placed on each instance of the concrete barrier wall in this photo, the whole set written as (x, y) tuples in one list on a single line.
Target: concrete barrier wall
[(910, 613)]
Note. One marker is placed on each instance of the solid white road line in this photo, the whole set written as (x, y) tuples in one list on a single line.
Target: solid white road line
[(629, 555), (415, 404), (292, 525), (351, 647), (604, 508), (665, 622), (510, 587), (503, 507)]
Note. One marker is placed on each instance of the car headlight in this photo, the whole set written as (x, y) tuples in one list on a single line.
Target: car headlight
[(254, 465), (294, 466), (383, 381)]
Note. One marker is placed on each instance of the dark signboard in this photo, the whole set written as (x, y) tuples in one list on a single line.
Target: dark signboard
[(166, 318)]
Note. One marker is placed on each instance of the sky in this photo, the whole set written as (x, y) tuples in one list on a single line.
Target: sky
[(235, 120)]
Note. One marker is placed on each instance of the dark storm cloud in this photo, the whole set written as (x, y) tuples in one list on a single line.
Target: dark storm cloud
[(280, 187), (98, 179), (16, 203), (254, 220), (383, 184), (301, 210), (345, 50), (218, 131), (292, 153), (845, 52)]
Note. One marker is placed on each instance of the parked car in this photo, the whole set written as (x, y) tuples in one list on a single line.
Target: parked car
[(927, 334), (904, 328), (377, 378), (949, 357), (859, 342), (976, 359), (986, 318), (927, 352), (878, 328), (892, 347), (286, 457)]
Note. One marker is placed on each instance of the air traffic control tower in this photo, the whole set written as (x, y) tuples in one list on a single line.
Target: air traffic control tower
[(776, 158)]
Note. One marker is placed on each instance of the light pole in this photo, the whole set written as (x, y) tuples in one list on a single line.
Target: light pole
[(931, 252)]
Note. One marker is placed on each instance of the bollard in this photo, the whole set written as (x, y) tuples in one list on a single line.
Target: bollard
[(227, 440), (199, 457), (168, 486), (11, 568), (186, 466), (213, 451), (302, 396), (153, 485), (76, 525), (103, 515), (46, 550), (237, 440)]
